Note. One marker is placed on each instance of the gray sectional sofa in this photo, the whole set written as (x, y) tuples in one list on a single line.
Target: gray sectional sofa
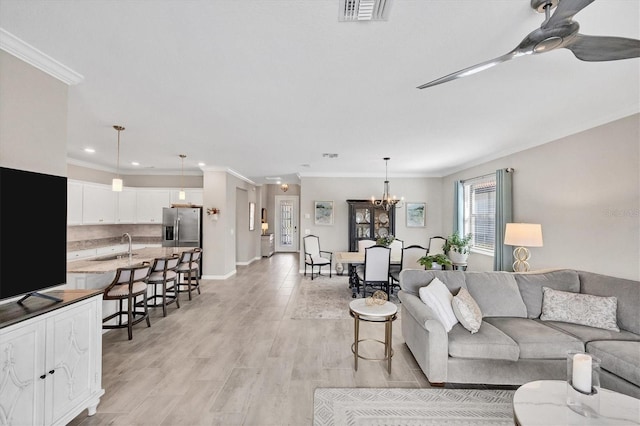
[(513, 345)]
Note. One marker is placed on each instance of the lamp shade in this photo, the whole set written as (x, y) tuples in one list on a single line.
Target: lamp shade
[(116, 185), (523, 234)]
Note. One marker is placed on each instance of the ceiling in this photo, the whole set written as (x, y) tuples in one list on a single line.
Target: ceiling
[(266, 87)]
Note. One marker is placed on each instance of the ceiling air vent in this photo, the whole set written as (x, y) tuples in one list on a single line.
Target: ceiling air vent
[(364, 10)]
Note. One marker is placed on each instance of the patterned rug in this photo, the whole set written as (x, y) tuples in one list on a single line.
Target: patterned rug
[(411, 407), (325, 298)]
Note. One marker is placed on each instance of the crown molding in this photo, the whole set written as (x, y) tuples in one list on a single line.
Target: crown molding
[(29, 54)]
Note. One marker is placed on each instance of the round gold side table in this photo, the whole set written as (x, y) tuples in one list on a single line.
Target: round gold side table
[(385, 313)]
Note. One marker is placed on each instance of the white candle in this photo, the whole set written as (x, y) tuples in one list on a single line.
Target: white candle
[(582, 372)]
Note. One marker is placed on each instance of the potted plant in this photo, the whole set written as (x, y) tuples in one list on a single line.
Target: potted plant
[(428, 261), (457, 247)]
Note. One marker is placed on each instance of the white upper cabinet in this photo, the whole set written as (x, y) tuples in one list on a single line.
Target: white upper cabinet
[(126, 206), (74, 203), (193, 197), (98, 205), (150, 203)]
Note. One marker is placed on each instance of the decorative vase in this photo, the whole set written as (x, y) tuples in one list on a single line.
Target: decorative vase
[(583, 383), (339, 268), (457, 258)]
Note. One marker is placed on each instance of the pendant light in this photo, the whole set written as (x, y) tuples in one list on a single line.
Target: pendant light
[(181, 194), (387, 201), (116, 183)]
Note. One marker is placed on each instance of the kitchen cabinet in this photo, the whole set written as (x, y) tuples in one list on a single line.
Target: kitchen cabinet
[(80, 254), (126, 206), (52, 364), (193, 197), (369, 222), (98, 205), (150, 203), (74, 203)]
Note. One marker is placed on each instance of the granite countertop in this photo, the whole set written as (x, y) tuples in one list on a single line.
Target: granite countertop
[(93, 266)]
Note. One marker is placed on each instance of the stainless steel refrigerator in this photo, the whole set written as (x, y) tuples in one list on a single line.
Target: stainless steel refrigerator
[(182, 227)]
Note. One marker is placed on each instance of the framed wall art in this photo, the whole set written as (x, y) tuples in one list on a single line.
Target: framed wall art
[(252, 214), (323, 213), (416, 214)]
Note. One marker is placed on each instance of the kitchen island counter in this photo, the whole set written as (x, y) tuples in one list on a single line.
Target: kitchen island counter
[(95, 266)]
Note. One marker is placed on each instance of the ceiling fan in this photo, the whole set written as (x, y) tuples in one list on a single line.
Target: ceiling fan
[(558, 30)]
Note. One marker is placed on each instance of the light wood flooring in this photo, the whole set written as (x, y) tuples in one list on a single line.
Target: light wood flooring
[(233, 356)]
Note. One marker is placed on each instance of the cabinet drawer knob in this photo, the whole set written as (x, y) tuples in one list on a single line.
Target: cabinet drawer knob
[(52, 371), (43, 376)]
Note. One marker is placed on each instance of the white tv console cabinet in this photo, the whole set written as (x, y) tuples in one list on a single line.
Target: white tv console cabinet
[(50, 358)]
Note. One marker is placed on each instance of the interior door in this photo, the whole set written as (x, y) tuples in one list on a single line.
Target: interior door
[(286, 223)]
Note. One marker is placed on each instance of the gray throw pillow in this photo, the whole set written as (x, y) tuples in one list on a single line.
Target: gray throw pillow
[(531, 283), (467, 311), (578, 308)]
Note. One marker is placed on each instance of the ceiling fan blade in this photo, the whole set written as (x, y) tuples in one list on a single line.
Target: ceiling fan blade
[(602, 48), (565, 11), (472, 69)]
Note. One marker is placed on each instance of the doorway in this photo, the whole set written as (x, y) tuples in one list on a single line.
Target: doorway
[(286, 223)]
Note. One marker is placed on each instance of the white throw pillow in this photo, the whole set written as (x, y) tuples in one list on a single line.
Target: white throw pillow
[(467, 311), (578, 308), (437, 296)]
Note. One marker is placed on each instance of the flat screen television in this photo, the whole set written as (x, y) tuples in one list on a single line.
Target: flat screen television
[(33, 232)]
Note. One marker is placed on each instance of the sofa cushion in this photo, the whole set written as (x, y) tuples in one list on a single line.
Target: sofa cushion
[(467, 310), (531, 283), (589, 334), (412, 279), (585, 309), (627, 292), (496, 293), (487, 343), (438, 297), (619, 358), (536, 340)]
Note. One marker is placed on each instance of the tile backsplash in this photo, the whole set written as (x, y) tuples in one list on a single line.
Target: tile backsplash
[(90, 236)]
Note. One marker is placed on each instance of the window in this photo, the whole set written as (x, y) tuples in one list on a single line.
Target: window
[(480, 212)]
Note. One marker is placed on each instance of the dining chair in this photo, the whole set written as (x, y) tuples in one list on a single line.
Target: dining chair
[(396, 247), (364, 243), (163, 273), (189, 269), (436, 245), (313, 256), (376, 268), (128, 284), (410, 257)]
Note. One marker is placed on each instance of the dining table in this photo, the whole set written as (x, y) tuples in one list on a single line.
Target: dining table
[(355, 258)]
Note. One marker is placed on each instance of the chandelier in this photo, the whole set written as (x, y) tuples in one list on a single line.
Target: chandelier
[(387, 201)]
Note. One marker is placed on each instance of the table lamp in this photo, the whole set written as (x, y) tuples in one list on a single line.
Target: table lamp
[(522, 235), (265, 228)]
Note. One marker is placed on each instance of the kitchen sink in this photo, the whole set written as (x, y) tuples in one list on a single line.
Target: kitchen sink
[(114, 257)]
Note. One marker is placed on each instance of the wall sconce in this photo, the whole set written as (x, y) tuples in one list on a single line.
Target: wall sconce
[(213, 212), (284, 187), (265, 228)]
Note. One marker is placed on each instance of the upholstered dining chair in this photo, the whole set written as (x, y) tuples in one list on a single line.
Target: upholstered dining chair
[(436, 245), (315, 257), (189, 269), (363, 244), (128, 284), (376, 268), (410, 256), (396, 253), (163, 273)]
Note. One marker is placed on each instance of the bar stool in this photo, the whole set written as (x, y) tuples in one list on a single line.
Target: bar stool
[(128, 284), (189, 268), (163, 273)]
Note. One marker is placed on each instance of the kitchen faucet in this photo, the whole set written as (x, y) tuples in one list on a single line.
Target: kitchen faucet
[(126, 234)]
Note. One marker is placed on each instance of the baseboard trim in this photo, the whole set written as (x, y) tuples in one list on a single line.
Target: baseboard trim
[(219, 277)]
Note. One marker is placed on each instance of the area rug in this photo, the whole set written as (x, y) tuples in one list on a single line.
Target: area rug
[(411, 407), (325, 298)]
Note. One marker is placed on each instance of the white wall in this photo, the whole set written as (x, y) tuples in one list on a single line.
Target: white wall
[(33, 118), (336, 237), (585, 191)]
